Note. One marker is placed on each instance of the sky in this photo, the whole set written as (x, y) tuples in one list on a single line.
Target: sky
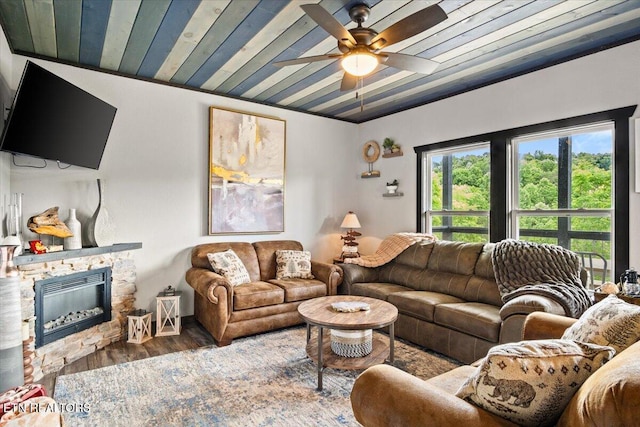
[(592, 142)]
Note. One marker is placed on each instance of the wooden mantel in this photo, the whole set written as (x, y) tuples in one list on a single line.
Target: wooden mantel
[(29, 258)]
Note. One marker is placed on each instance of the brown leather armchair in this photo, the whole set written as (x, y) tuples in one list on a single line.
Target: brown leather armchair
[(386, 396), (228, 312)]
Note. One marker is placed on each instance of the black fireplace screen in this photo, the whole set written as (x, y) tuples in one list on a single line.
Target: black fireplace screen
[(71, 303)]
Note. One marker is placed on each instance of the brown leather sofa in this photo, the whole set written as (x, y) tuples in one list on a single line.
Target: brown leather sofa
[(447, 298), (386, 396), (265, 304)]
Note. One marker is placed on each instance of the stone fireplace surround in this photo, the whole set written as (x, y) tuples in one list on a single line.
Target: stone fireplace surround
[(54, 356)]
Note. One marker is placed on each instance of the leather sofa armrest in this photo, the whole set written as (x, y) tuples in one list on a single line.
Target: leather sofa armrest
[(329, 274), (525, 304), (514, 313), (539, 326), (205, 282), (353, 273), (386, 396)]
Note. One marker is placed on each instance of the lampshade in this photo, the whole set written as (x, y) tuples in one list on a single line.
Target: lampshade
[(359, 63), (350, 221)]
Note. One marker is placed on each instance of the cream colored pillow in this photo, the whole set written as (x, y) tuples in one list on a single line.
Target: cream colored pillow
[(293, 265), (531, 382), (230, 266), (611, 322)]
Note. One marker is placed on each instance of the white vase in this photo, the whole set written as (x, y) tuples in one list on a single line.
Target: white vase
[(75, 241), (101, 230)]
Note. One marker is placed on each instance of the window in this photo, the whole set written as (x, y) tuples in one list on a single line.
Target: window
[(458, 193), (563, 192), (564, 182)]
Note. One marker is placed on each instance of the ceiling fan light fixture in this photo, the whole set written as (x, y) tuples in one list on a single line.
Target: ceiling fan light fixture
[(359, 63)]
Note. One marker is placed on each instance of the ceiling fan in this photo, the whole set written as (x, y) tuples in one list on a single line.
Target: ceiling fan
[(361, 46)]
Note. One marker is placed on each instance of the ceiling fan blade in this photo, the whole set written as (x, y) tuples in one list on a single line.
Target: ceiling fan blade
[(410, 63), (306, 59), (328, 22), (349, 82), (409, 26)]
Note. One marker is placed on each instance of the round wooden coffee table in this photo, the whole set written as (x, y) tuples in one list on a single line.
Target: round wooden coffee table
[(318, 312)]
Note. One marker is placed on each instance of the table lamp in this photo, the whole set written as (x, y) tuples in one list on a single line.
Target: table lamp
[(350, 247)]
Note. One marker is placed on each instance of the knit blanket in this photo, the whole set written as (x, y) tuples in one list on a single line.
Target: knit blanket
[(531, 268), (389, 248)]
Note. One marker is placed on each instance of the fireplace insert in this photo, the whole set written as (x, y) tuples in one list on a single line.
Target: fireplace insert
[(71, 303)]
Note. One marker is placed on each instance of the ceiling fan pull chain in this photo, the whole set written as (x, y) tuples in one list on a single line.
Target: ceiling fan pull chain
[(362, 96)]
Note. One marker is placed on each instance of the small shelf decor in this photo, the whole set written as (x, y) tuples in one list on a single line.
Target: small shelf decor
[(391, 149), (392, 189), (139, 326), (371, 153)]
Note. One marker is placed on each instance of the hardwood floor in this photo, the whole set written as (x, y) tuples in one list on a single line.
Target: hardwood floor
[(192, 336)]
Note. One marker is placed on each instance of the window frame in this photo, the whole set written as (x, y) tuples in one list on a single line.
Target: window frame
[(561, 212), (499, 218)]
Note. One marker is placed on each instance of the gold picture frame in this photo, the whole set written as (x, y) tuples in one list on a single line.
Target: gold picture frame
[(246, 172)]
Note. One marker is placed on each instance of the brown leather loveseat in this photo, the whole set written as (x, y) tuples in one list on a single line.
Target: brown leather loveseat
[(265, 303), (447, 298)]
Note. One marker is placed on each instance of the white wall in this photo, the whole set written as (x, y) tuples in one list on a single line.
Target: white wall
[(155, 173), (598, 82)]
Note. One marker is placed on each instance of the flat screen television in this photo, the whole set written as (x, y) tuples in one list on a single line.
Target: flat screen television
[(56, 120)]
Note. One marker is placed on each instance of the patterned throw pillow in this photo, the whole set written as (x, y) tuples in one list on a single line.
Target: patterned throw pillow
[(293, 265), (230, 266), (531, 382), (611, 322)]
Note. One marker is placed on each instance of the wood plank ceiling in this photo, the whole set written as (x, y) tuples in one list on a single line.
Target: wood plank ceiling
[(228, 47)]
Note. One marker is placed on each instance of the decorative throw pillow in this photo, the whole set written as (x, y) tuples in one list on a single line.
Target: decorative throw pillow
[(230, 266), (531, 382), (611, 322), (293, 265)]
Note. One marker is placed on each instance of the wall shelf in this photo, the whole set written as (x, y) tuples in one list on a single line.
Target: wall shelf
[(396, 154), (396, 194), (373, 174)]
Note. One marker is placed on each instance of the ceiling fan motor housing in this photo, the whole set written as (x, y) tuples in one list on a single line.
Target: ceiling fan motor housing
[(362, 35)]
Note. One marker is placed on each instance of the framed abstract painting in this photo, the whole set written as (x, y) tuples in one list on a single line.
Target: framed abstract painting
[(246, 172)]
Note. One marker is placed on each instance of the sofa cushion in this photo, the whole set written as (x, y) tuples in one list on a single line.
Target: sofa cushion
[(293, 264), (416, 255), (531, 382), (608, 397), (400, 274), (420, 304), (377, 290), (301, 289), (442, 282), (228, 265), (484, 265), (611, 322), (244, 251), (481, 289), (266, 255), (472, 318), (257, 294), (454, 257)]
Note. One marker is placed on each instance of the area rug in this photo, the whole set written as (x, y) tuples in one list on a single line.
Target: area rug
[(264, 380)]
